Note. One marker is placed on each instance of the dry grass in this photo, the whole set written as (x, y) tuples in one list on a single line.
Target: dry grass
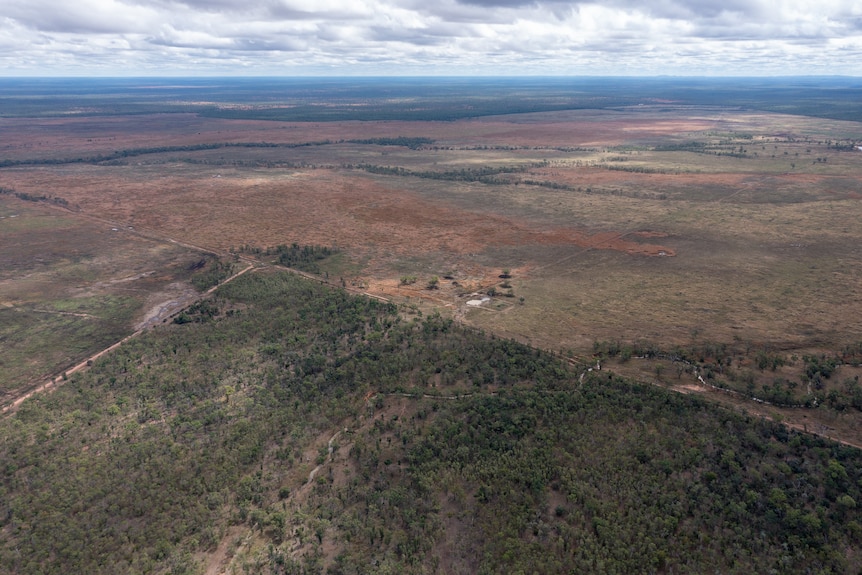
[(754, 249), (70, 286)]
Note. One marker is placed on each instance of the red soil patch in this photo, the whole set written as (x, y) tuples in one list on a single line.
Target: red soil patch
[(649, 234), (322, 207), (29, 138), (373, 222), (326, 207)]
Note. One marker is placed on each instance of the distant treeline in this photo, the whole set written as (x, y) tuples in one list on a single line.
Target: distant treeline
[(720, 149), (637, 169), (120, 154), (548, 184), (412, 143), (425, 99), (510, 148), (429, 111), (682, 147), (34, 198), (484, 174)]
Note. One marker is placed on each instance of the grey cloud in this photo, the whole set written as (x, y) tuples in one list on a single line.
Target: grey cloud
[(457, 13), (215, 6), (416, 37), (274, 43), (490, 36), (686, 9), (66, 18), (269, 45), (282, 12), (500, 3), (661, 8), (710, 9)]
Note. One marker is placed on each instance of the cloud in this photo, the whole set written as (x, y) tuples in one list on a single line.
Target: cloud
[(83, 17), (500, 3), (443, 36)]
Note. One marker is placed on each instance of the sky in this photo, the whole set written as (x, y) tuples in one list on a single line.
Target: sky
[(430, 37)]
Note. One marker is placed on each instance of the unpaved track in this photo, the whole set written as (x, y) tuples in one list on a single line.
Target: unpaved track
[(328, 455), (58, 380)]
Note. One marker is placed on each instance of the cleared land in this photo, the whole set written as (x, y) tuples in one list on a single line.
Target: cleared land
[(71, 285), (764, 248), (672, 225)]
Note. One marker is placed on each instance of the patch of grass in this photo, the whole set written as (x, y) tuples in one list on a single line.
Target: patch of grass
[(40, 341), (339, 264), (70, 287)]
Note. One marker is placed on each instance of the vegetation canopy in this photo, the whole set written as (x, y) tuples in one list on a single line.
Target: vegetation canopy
[(458, 452)]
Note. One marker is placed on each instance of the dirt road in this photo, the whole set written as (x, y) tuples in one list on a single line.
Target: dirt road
[(59, 379)]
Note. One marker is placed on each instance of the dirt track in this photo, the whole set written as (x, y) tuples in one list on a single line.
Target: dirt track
[(170, 306)]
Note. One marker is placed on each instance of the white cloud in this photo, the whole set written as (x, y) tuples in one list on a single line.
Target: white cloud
[(82, 17), (419, 36)]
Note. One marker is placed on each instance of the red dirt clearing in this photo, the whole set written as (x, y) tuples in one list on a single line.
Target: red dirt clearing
[(321, 207)]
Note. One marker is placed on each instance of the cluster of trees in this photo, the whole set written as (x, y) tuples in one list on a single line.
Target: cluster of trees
[(414, 143), (305, 258), (134, 152), (135, 465), (743, 368), (843, 145), (729, 148), (449, 108), (510, 147), (34, 198), (199, 312), (637, 169), (547, 184), (610, 477), (211, 272), (852, 354)]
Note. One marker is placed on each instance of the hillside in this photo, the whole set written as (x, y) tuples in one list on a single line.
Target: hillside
[(288, 427)]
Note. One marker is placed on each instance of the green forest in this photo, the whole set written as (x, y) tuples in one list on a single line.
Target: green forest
[(450, 451)]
